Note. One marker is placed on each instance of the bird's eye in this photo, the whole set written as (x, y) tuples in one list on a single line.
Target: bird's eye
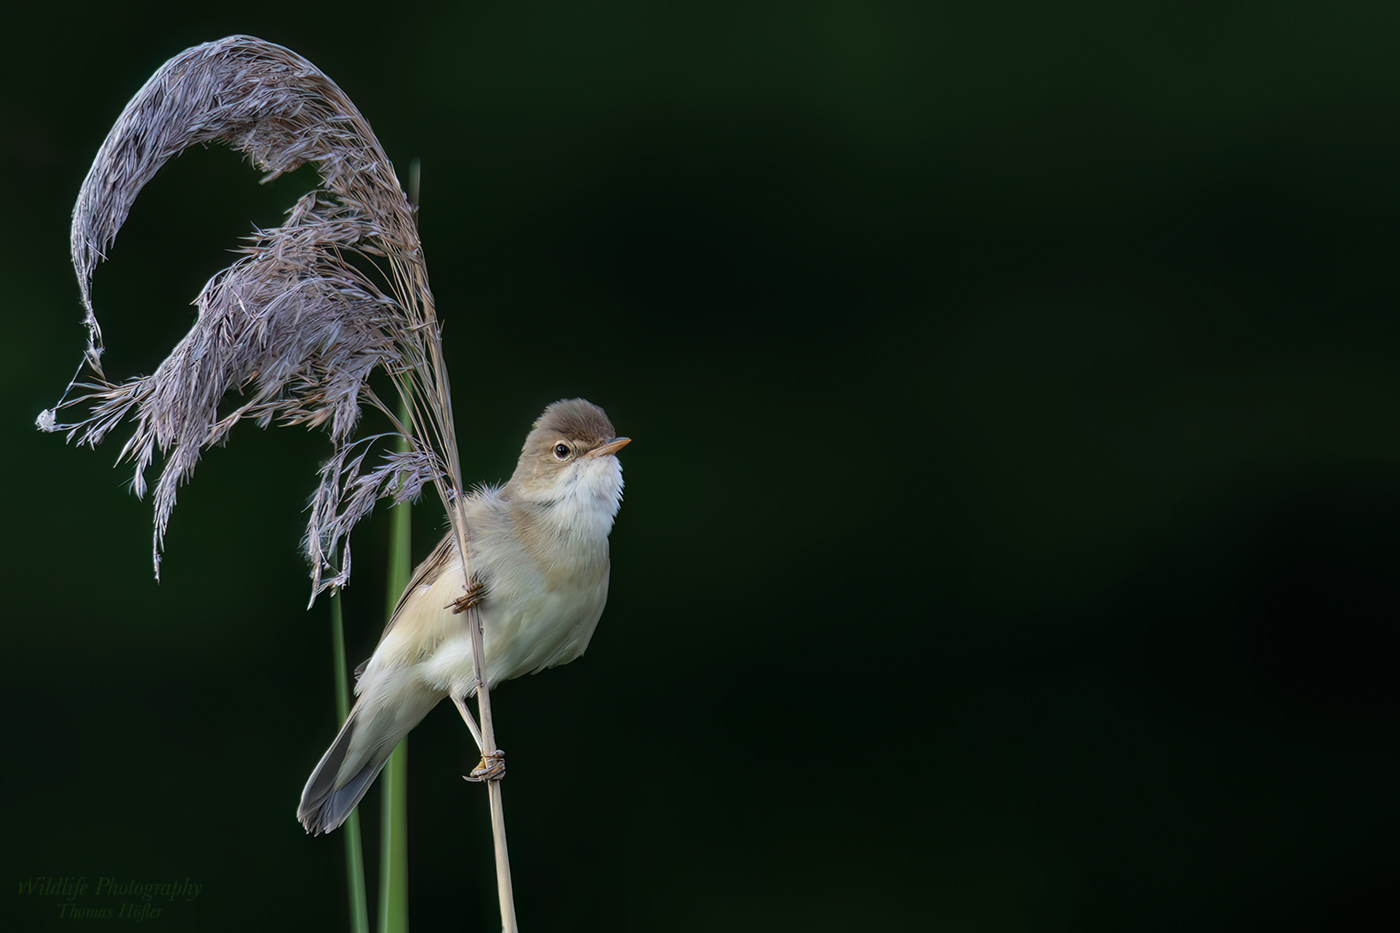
[(562, 451)]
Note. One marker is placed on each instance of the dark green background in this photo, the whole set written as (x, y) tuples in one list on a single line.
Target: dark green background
[(1011, 523)]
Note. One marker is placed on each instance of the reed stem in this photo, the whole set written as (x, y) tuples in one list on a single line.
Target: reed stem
[(354, 846), (393, 845)]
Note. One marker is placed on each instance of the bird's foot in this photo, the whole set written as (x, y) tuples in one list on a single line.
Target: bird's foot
[(492, 767), (476, 592)]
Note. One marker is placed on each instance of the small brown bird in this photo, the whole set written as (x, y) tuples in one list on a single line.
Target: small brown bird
[(538, 548)]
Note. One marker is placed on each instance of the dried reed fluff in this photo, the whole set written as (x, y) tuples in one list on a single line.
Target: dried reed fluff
[(293, 327)]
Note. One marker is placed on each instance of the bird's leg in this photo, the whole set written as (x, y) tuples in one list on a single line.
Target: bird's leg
[(467, 718), (493, 764), (476, 592)]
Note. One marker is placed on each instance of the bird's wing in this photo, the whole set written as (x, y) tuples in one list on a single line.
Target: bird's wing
[(424, 575)]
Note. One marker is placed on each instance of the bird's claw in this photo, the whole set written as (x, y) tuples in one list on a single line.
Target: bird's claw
[(476, 592), (491, 768)]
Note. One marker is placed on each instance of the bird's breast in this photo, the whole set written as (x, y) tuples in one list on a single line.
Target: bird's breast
[(545, 573), (544, 595)]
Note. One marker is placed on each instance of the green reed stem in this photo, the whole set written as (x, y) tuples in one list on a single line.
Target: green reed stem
[(354, 848), (393, 844)]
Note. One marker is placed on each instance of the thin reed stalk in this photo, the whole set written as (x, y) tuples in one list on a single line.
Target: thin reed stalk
[(393, 840), (354, 846)]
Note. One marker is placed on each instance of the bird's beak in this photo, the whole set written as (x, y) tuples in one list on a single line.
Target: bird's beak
[(611, 447)]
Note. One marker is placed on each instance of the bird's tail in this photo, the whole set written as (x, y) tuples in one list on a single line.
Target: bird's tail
[(355, 758)]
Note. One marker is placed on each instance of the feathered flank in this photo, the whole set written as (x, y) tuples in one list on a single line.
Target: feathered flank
[(293, 326)]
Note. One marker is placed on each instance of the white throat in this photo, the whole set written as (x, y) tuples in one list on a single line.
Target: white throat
[(583, 502)]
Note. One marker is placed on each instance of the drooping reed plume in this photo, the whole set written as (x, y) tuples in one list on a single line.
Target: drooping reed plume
[(293, 327)]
